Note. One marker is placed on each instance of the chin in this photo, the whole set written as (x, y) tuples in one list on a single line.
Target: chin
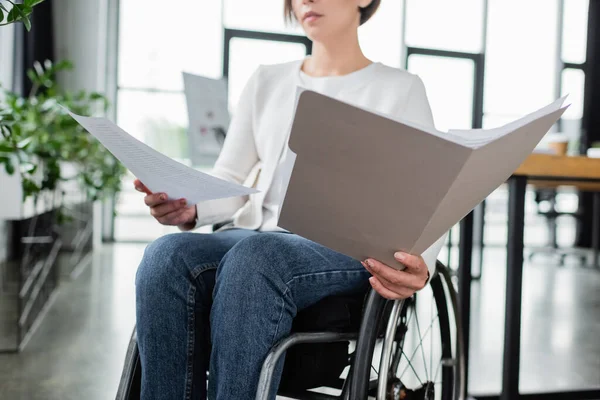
[(315, 33)]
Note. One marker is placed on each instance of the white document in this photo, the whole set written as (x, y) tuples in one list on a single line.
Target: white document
[(158, 172), (208, 116), (477, 138)]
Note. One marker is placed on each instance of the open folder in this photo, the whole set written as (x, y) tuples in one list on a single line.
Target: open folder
[(367, 185)]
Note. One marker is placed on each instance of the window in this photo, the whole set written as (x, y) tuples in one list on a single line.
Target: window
[(522, 67), (521, 61), (153, 53), (573, 81), (264, 16), (445, 25), (451, 99), (381, 37), (246, 55), (153, 50), (574, 35)]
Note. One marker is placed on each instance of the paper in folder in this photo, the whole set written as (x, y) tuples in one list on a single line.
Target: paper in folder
[(367, 185), (158, 172)]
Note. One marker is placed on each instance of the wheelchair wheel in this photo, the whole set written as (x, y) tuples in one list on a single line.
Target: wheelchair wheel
[(421, 355)]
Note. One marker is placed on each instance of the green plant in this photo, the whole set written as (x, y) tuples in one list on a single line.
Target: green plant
[(17, 12), (38, 135)]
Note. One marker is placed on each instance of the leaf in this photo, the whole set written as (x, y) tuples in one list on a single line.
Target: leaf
[(24, 143), (38, 68), (27, 23), (13, 14), (6, 148), (28, 168), (1, 14), (22, 15), (96, 95), (31, 75), (30, 188), (63, 65), (9, 167)]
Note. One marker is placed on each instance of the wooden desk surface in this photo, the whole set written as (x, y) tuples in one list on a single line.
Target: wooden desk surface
[(584, 186), (547, 165)]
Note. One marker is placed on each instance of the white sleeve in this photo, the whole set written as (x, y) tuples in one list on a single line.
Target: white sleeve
[(418, 110), (237, 157)]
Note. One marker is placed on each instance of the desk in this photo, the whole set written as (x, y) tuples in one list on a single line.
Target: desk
[(549, 169)]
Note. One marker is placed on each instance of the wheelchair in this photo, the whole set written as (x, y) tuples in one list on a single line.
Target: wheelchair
[(388, 350)]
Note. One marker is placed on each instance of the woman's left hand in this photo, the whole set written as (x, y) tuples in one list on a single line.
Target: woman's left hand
[(394, 284)]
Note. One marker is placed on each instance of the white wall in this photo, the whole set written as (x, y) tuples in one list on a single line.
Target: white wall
[(6, 55), (85, 33), (6, 80), (80, 35)]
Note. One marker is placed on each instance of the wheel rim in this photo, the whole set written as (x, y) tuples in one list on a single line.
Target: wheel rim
[(417, 352)]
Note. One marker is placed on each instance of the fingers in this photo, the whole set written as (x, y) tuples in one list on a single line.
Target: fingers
[(140, 187), (162, 208), (384, 291), (394, 279), (155, 199), (167, 212), (410, 261), (178, 217)]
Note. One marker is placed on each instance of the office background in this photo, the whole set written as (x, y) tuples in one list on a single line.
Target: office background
[(484, 63)]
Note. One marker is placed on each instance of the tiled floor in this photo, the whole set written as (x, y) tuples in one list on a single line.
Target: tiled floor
[(77, 352)]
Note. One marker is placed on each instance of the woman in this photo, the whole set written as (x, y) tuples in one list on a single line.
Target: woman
[(220, 301)]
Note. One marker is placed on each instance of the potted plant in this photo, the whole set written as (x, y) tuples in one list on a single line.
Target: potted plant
[(44, 154), (43, 150)]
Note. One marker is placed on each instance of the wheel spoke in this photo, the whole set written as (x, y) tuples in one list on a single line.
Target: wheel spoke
[(373, 368), (413, 370), (437, 370), (398, 355), (421, 346), (412, 356)]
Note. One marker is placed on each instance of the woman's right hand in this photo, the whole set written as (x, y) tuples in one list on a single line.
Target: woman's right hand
[(168, 212)]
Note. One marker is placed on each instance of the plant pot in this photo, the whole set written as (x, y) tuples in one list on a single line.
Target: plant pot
[(29, 278)]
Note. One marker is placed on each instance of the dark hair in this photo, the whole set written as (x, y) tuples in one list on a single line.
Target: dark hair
[(365, 12)]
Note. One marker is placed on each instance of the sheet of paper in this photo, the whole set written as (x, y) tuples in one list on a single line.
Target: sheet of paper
[(476, 138), (208, 116), (157, 171)]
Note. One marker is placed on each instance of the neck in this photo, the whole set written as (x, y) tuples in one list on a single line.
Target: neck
[(336, 57)]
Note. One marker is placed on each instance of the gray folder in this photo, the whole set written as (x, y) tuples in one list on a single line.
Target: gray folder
[(367, 185)]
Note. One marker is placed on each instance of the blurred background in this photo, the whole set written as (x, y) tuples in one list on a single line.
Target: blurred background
[(69, 249)]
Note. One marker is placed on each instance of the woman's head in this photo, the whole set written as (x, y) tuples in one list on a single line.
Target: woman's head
[(322, 19)]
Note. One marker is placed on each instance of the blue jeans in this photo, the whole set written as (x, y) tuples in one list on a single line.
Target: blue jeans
[(219, 302)]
